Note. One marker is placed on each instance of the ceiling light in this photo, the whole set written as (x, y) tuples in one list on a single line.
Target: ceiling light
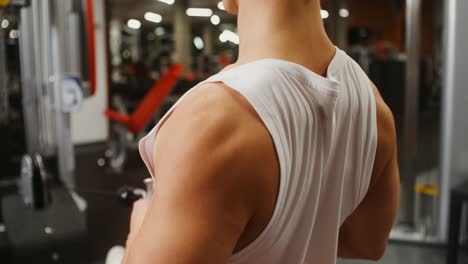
[(199, 12), (324, 14), (221, 6), (14, 34), (160, 31), (153, 17), (5, 23), (344, 12), (133, 23), (169, 2), (215, 20), (230, 36), (198, 42)]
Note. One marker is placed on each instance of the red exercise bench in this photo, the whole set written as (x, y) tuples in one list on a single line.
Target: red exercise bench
[(152, 101)]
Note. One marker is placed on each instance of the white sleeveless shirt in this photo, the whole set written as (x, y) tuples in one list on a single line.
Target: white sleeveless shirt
[(325, 135)]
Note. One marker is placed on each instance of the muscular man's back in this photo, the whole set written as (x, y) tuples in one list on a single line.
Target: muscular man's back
[(364, 233), (300, 150), (269, 159)]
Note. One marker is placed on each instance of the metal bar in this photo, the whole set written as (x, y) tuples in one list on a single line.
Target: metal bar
[(65, 152), (447, 116), (28, 84), (74, 45), (47, 73), (3, 78), (411, 110), (454, 155), (39, 87)]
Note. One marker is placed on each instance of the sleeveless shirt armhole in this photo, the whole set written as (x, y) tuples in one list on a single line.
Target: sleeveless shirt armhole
[(144, 153), (264, 240), (147, 156)]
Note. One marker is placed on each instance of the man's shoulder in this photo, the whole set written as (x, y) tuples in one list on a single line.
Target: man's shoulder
[(216, 108), (217, 120), (213, 140)]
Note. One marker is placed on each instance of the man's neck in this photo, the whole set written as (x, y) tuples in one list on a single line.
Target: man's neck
[(286, 31)]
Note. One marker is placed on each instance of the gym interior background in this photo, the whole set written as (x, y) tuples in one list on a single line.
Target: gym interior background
[(81, 81)]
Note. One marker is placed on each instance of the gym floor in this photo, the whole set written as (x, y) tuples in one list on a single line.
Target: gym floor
[(410, 254), (108, 218)]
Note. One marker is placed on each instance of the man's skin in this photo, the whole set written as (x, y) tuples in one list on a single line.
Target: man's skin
[(217, 174)]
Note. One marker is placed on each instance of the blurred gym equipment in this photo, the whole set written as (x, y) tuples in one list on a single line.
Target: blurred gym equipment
[(46, 220), (411, 85), (454, 155), (126, 128)]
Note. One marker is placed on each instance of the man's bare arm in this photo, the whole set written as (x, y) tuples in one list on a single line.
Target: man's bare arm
[(204, 195)]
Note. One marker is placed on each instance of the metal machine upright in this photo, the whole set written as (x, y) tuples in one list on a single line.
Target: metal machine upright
[(28, 82), (3, 78), (411, 111), (43, 47), (454, 154)]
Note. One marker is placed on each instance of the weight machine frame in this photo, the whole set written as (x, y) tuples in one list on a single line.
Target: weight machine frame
[(53, 83)]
